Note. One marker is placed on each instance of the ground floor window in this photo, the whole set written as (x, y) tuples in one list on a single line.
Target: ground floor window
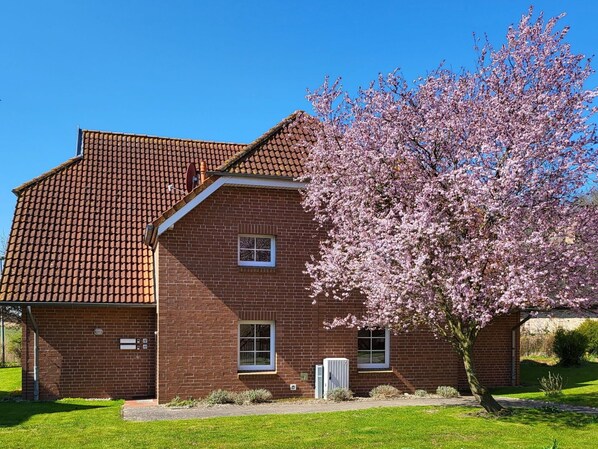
[(373, 348), (256, 345)]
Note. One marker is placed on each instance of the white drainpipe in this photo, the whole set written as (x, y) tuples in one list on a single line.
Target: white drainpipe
[(35, 355)]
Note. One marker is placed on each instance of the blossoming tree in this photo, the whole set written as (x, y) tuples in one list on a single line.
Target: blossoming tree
[(452, 201)]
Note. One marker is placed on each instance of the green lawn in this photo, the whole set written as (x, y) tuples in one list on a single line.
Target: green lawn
[(10, 382), (75, 423), (580, 382), (97, 424)]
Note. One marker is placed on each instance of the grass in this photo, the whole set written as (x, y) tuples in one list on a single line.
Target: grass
[(10, 382), (10, 331), (76, 423), (580, 382)]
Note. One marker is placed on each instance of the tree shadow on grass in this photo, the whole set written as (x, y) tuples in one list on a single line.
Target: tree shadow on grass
[(547, 415), (551, 417), (15, 413), (9, 395), (573, 377)]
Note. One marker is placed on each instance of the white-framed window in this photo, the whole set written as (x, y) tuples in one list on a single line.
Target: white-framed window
[(256, 346), (373, 348), (257, 250)]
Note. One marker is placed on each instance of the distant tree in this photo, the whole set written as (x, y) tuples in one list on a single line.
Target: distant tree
[(452, 201), (10, 313)]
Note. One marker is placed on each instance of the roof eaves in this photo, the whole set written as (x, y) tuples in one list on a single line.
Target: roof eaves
[(151, 230), (79, 303), (18, 190)]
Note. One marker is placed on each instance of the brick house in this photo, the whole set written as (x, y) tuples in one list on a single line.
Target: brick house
[(133, 287)]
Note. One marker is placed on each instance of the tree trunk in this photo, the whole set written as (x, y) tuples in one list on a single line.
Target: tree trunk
[(482, 395)]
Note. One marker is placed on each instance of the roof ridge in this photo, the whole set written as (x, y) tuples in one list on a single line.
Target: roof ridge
[(259, 141), (151, 136), (19, 189)]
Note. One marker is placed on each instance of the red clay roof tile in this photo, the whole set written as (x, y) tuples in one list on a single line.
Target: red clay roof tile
[(77, 234), (279, 152)]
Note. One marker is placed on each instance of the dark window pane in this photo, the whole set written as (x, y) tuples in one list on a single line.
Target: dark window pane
[(246, 330), (246, 358), (262, 358), (363, 357), (363, 333), (379, 333), (246, 242), (262, 344), (246, 344), (377, 356), (246, 255), (364, 344), (263, 256), (379, 344), (262, 330), (262, 243)]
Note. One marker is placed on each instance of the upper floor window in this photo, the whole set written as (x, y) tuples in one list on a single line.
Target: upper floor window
[(373, 348), (257, 250)]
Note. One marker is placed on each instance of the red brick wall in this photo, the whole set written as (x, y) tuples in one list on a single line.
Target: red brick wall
[(76, 363), (203, 294)]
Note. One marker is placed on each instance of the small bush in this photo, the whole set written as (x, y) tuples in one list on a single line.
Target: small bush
[(537, 344), (554, 445), (385, 392), (552, 386), (569, 346), (253, 397), (14, 345), (178, 402), (589, 328), (340, 394), (447, 392), (420, 393), (221, 397)]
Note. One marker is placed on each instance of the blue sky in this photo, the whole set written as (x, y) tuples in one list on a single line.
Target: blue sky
[(219, 70)]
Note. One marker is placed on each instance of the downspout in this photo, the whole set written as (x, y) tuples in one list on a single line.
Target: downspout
[(35, 355), (156, 333), (514, 349)]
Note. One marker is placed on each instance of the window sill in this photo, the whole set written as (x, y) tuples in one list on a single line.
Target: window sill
[(246, 269), (375, 371), (256, 373)]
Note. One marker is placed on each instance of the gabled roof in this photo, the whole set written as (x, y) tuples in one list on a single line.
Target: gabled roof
[(77, 233), (279, 153)]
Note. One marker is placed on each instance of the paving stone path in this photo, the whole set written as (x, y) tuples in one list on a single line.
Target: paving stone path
[(150, 411)]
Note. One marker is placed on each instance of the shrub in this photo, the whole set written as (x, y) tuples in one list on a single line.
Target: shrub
[(589, 328), (14, 345), (569, 346), (554, 445), (221, 397), (385, 392), (178, 402), (340, 394), (447, 392), (552, 386), (253, 397), (421, 393), (537, 344)]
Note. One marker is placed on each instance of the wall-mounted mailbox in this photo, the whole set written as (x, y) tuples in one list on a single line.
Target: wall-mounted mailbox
[(128, 344)]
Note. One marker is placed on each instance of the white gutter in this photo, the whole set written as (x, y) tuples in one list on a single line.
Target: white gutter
[(227, 181), (35, 355)]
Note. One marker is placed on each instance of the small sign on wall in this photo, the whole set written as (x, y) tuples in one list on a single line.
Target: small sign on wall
[(128, 344)]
